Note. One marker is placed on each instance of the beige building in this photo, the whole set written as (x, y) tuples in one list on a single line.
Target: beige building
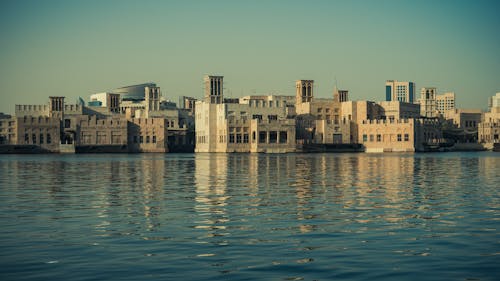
[(401, 135), (93, 134), (393, 110), (466, 119), (445, 102), (489, 128), (320, 120), (255, 124), (41, 131), (147, 135)]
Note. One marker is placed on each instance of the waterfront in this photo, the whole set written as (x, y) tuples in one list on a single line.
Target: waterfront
[(250, 216)]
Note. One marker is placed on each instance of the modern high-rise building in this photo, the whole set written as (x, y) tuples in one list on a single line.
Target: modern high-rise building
[(399, 91), (445, 102)]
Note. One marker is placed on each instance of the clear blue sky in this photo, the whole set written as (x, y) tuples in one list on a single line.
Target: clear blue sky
[(77, 48)]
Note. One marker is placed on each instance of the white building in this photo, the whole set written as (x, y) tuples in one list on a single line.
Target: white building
[(254, 124)]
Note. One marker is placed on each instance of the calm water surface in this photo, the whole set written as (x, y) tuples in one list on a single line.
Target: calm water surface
[(250, 217)]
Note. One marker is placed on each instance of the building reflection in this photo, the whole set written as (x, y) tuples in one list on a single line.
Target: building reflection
[(211, 188), (116, 200)]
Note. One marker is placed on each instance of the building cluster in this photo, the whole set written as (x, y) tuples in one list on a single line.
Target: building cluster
[(138, 119), (130, 119)]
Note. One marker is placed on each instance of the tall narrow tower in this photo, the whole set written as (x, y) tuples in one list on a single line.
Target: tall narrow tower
[(214, 89), (56, 107), (152, 97), (428, 104), (304, 91)]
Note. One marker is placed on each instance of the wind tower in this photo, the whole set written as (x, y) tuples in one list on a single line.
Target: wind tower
[(304, 91), (214, 89)]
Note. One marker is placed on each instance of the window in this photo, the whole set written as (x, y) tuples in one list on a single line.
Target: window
[(262, 137), (283, 137), (379, 138), (154, 139), (245, 138), (49, 139), (407, 137), (67, 123), (231, 138), (26, 138), (371, 137), (238, 138), (257, 116), (253, 136), (272, 117), (273, 137), (141, 139), (33, 138), (399, 137), (41, 138), (147, 139), (365, 138)]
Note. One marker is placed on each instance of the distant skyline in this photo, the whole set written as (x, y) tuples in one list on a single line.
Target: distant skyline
[(78, 48)]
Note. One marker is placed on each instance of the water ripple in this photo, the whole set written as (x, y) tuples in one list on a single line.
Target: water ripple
[(246, 217)]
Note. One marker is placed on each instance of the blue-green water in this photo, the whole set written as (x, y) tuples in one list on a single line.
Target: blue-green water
[(250, 217)]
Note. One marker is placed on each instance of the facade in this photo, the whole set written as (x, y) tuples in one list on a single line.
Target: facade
[(60, 127), (8, 129), (394, 110), (256, 124), (402, 135), (445, 102), (147, 135), (466, 119), (100, 135), (40, 131), (399, 91)]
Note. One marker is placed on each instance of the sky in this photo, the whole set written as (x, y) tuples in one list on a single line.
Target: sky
[(77, 48)]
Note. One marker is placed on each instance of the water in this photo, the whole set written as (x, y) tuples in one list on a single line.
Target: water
[(250, 217)]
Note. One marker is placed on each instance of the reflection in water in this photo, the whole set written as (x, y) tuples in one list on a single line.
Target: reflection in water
[(250, 216), (211, 185)]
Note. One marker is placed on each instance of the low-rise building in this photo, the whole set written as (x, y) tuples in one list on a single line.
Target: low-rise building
[(40, 131), (147, 135), (249, 124), (401, 135)]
